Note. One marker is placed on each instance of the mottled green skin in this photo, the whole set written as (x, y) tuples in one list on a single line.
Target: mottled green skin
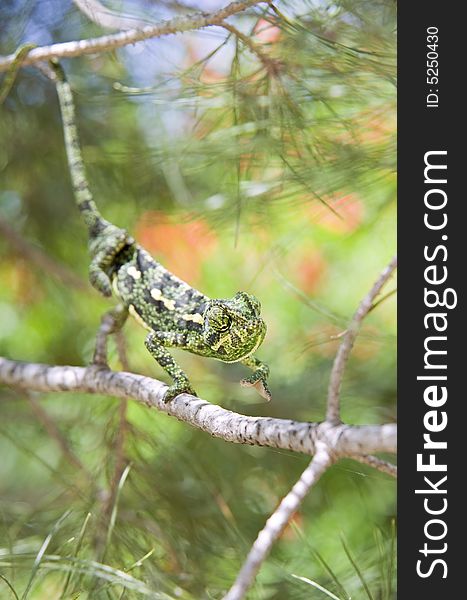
[(174, 313)]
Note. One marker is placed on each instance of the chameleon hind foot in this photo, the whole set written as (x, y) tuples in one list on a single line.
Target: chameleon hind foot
[(111, 322), (99, 280), (107, 243)]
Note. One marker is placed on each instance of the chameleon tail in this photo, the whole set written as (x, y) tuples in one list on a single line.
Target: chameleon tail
[(83, 196), (106, 241)]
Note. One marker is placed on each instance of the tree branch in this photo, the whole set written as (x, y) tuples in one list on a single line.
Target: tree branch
[(343, 353), (377, 463), (233, 427), (277, 522), (131, 36)]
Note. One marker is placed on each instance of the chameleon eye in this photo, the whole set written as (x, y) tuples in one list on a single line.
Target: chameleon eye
[(219, 319), (227, 323), (223, 323)]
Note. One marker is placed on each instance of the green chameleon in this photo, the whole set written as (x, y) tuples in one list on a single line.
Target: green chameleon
[(175, 314)]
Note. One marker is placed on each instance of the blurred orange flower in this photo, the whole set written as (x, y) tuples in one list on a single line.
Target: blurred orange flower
[(195, 53), (180, 246), (21, 282), (349, 209), (265, 33), (309, 272)]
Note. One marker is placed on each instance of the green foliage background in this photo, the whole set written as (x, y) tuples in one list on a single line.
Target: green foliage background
[(230, 171)]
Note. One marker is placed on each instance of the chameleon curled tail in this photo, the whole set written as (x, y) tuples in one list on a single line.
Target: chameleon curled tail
[(105, 239)]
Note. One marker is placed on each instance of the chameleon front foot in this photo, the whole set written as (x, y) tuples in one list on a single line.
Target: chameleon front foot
[(155, 342), (260, 385), (258, 379)]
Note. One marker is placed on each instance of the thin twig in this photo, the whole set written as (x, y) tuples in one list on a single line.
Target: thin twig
[(277, 522), (131, 36), (37, 257), (343, 353), (119, 446), (272, 66), (54, 432), (120, 459), (13, 69), (121, 349), (383, 299), (377, 463)]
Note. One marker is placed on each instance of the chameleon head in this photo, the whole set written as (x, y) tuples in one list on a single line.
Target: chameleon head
[(233, 328)]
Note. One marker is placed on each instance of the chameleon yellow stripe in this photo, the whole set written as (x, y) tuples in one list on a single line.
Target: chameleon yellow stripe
[(157, 295), (196, 318), (133, 272)]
